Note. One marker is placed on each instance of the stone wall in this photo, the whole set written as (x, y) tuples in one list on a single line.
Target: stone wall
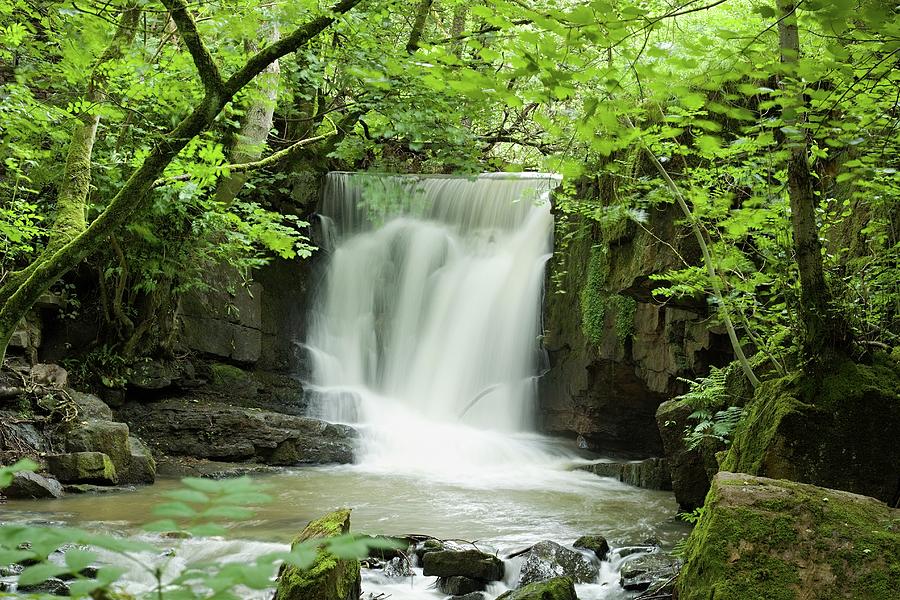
[(616, 351)]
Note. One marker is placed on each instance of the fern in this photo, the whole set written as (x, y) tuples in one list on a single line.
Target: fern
[(706, 396), (708, 392)]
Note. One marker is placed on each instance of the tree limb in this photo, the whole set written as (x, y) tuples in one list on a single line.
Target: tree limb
[(203, 60)]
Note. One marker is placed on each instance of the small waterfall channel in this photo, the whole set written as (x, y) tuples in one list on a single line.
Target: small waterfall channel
[(426, 330)]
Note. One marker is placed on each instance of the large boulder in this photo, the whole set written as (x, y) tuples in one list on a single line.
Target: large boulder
[(107, 437), (547, 560), (329, 578), (558, 588), (837, 430), (218, 431), (141, 467), (27, 485), (83, 467), (593, 543), (473, 564), (781, 540)]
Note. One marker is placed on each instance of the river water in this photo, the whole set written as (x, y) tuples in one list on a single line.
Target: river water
[(425, 336)]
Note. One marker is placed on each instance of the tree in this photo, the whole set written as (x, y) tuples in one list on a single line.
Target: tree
[(74, 240)]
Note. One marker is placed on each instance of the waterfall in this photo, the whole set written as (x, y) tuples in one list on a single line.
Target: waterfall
[(426, 329)]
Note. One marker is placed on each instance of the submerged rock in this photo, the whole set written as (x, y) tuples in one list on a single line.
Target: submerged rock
[(26, 485), (762, 538), (640, 573), (397, 567), (329, 578), (650, 473), (473, 564), (547, 560), (51, 587), (459, 585), (595, 543), (558, 588)]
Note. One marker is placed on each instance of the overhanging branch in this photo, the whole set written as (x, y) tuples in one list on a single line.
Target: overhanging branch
[(203, 60)]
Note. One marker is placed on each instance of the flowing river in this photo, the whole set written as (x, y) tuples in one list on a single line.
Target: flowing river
[(426, 337)]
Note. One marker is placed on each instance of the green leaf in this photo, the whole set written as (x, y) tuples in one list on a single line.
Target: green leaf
[(77, 559), (194, 496), (176, 510), (40, 573)]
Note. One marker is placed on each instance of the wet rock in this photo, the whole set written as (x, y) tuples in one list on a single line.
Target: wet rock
[(185, 466), (547, 560), (459, 585), (329, 578), (429, 545), (651, 473), (140, 468), (89, 488), (766, 538), (691, 469), (640, 573), (52, 587), (557, 588), (630, 550), (107, 437), (473, 564), (91, 407), (471, 596), (26, 485), (83, 467), (50, 374), (595, 543), (8, 392), (400, 549), (223, 432), (397, 567)]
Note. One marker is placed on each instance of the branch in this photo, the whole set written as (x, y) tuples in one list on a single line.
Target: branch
[(252, 166), (286, 45), (203, 60)]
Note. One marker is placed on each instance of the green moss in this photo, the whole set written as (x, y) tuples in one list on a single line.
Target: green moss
[(593, 298), (624, 307), (329, 578), (223, 374), (558, 588), (779, 540)]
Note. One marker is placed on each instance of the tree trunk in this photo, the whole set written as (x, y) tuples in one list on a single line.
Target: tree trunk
[(822, 331), (418, 25)]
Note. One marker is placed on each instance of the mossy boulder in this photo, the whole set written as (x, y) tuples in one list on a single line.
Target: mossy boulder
[(329, 578), (593, 543), (781, 540), (107, 437), (83, 467), (838, 430), (547, 560), (558, 588), (473, 564)]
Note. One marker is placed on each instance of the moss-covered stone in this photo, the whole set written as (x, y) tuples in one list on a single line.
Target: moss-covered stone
[(329, 578), (826, 430), (558, 588), (781, 540), (83, 467)]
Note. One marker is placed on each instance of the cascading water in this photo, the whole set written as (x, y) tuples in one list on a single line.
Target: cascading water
[(426, 329)]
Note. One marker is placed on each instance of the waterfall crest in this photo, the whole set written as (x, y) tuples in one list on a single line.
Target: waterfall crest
[(426, 327)]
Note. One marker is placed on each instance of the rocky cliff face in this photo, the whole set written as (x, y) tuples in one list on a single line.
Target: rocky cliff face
[(615, 351)]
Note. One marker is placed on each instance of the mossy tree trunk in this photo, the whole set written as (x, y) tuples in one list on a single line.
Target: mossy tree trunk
[(823, 331), (22, 289), (418, 27)]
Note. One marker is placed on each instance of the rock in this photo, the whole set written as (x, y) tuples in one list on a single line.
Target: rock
[(401, 549), (459, 585), (595, 543), (824, 431), (89, 488), (329, 578), (651, 473), (91, 407), (49, 374), (397, 567), (640, 573), (10, 392), (471, 596), (156, 375), (547, 560), (237, 380), (52, 587), (83, 467), (473, 564), (557, 588), (429, 545), (217, 431), (26, 485), (107, 437), (762, 538), (630, 550), (184, 466), (141, 467)]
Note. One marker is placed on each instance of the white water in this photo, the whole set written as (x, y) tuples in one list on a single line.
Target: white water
[(426, 331)]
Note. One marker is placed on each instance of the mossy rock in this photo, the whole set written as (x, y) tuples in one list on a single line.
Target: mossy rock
[(837, 431), (781, 540), (329, 578), (558, 588), (83, 467)]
